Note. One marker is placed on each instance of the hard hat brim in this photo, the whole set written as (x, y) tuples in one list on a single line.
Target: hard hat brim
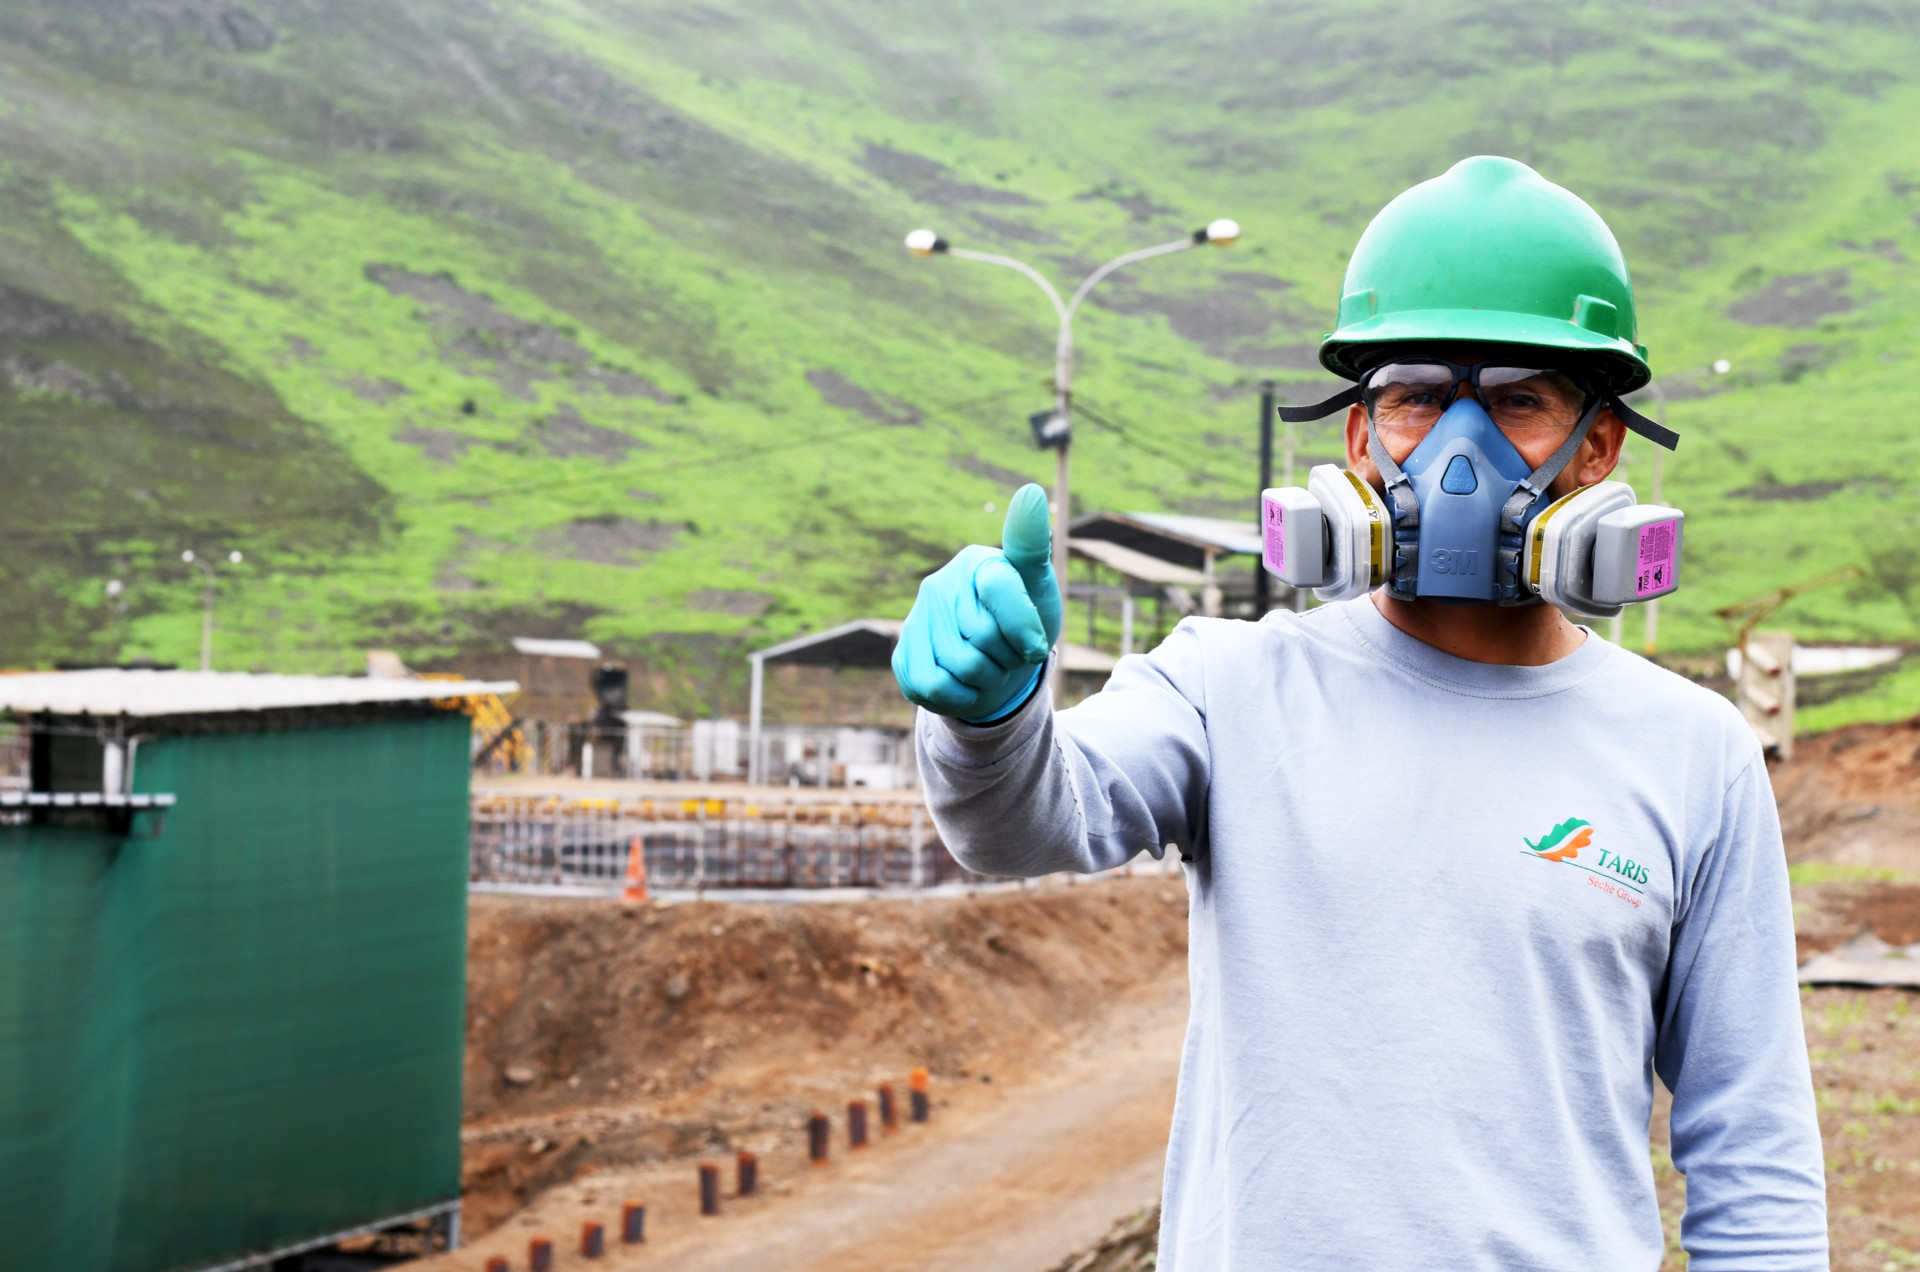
[(1624, 362)]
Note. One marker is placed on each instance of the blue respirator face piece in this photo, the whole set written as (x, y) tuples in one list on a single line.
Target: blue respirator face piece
[(1463, 474)]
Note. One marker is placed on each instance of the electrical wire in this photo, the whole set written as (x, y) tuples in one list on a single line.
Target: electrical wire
[(1099, 419)]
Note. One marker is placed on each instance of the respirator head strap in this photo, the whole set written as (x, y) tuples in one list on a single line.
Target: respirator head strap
[(1658, 434), (1320, 410), (1405, 508), (1530, 490)]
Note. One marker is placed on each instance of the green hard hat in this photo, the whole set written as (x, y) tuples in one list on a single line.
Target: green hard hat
[(1490, 252)]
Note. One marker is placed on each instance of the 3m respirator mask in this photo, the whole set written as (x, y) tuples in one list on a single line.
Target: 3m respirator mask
[(1466, 519)]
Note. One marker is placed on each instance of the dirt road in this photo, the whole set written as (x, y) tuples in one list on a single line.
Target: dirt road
[(1001, 1178)]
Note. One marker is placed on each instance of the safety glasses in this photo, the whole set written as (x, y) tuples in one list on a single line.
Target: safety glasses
[(1412, 393)]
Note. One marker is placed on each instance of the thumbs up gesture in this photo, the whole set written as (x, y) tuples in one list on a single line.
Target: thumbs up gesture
[(979, 632)]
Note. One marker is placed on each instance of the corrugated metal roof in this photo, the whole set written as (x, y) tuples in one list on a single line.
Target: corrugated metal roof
[(864, 642), (1185, 541), (112, 692), (1216, 532), (1136, 565)]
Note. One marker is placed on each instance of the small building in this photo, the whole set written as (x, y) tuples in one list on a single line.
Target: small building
[(232, 965)]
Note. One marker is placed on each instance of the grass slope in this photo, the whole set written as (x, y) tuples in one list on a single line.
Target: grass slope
[(463, 319)]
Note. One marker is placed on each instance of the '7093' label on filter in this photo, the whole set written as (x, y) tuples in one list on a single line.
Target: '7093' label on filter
[(1655, 571)]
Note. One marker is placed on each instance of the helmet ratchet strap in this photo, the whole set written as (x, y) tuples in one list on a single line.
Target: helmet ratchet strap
[(1320, 410), (1658, 434)]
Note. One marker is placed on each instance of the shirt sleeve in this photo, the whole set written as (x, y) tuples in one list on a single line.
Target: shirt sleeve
[(1732, 1049), (1084, 789)]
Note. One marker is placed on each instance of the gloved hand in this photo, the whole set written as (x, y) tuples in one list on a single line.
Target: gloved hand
[(977, 638)]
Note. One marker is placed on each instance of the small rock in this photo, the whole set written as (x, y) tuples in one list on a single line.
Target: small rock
[(677, 988), (574, 1081), (521, 1074)]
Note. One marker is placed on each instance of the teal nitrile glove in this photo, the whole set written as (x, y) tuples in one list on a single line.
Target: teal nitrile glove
[(978, 635)]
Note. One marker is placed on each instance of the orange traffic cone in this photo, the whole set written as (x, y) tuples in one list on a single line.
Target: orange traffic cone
[(636, 892)]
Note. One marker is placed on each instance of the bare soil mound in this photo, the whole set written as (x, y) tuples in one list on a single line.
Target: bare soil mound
[(1852, 797), (602, 1035), (1850, 813)]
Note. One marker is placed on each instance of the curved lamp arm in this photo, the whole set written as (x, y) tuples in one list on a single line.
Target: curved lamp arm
[(1221, 233), (1120, 262), (1007, 262)]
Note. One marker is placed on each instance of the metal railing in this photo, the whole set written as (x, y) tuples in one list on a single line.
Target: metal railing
[(572, 841)]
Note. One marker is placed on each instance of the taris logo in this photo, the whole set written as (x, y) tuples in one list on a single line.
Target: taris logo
[(1563, 844)]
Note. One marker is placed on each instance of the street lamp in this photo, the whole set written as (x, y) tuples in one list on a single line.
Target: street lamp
[(1053, 430), (206, 615)]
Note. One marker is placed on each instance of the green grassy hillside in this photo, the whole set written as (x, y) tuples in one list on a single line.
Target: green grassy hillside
[(466, 319)]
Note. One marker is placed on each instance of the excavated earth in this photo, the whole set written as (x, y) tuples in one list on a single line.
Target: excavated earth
[(602, 1036)]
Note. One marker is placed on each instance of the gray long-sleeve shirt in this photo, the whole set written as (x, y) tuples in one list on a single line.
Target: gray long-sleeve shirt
[(1447, 921)]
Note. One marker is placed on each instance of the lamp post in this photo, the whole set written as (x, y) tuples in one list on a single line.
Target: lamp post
[(1054, 430), (206, 612)]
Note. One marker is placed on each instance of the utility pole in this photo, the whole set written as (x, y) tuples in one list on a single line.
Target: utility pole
[(1262, 581)]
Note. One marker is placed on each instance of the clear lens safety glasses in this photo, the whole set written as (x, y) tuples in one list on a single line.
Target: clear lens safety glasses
[(1413, 393)]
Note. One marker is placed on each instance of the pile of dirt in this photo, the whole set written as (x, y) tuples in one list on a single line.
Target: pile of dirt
[(600, 1034), (1853, 797), (1850, 814)]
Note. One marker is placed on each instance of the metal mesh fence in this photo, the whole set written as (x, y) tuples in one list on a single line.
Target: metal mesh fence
[(571, 841)]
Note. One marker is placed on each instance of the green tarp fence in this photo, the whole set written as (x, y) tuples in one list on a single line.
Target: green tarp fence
[(246, 1030)]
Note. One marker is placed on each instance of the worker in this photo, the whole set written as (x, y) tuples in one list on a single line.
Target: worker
[(1463, 877)]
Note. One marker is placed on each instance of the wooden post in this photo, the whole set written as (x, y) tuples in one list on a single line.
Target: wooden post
[(1765, 690)]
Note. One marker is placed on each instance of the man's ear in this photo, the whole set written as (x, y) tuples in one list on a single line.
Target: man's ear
[(1599, 454), (1360, 447)]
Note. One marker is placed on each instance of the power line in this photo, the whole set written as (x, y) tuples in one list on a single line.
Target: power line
[(1127, 438)]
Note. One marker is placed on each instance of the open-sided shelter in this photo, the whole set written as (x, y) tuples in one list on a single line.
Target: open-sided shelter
[(1188, 543), (232, 965)]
